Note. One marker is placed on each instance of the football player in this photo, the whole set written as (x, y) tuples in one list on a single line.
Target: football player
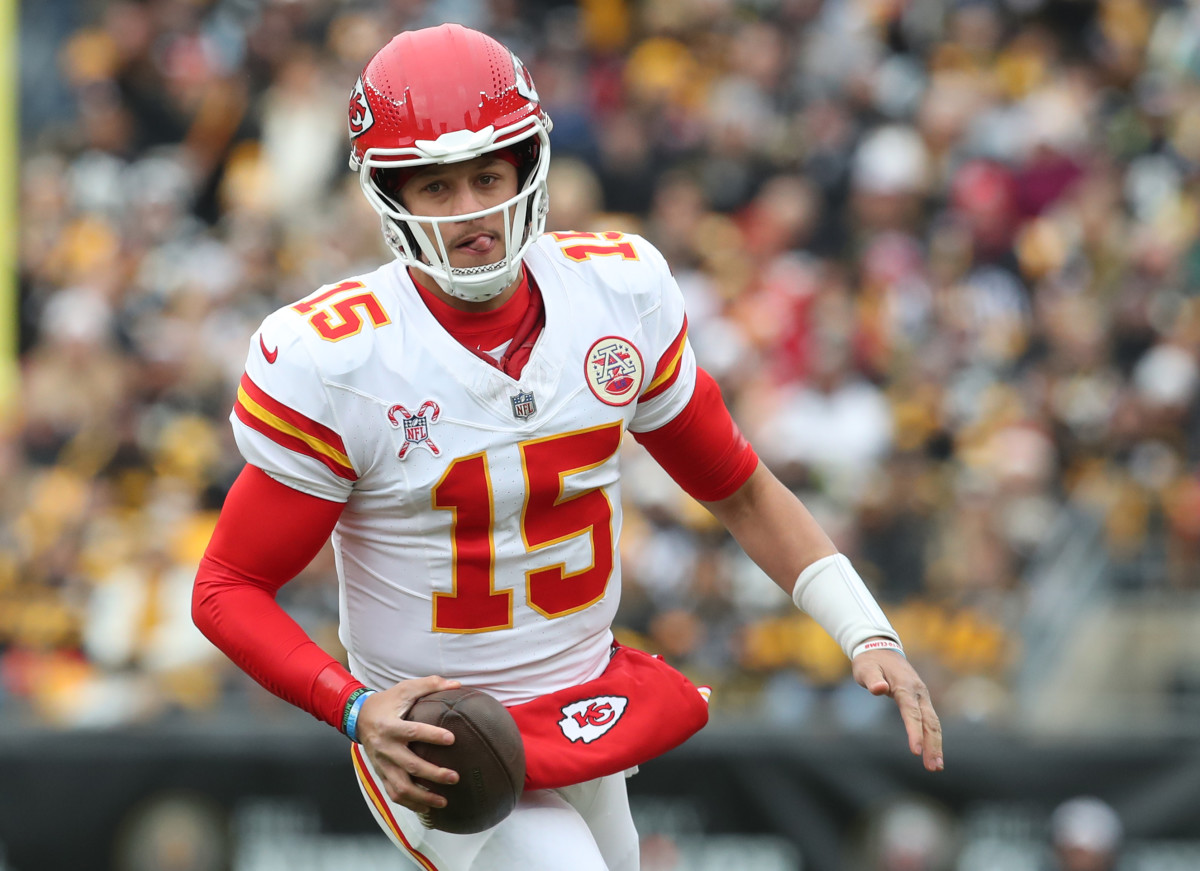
[(452, 420)]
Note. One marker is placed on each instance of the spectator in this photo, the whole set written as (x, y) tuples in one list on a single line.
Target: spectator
[(1086, 835), (942, 259)]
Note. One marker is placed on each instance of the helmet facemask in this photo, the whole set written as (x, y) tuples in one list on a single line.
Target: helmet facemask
[(418, 241)]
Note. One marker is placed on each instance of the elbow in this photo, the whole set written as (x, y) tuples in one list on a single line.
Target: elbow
[(200, 615), (204, 595)]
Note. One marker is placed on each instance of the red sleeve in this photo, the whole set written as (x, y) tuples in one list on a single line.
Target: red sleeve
[(266, 534), (702, 448)]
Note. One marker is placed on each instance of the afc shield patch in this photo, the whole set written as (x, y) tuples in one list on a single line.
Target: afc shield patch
[(614, 370), (523, 405)]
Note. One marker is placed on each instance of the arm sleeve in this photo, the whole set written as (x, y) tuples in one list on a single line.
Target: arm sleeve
[(702, 448), (267, 533)]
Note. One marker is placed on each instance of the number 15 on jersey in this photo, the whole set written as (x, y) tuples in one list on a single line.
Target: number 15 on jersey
[(548, 517)]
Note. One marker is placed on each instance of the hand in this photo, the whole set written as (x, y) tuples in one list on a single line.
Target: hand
[(887, 672), (385, 736)]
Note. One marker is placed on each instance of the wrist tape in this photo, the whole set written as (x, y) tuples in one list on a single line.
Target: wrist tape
[(833, 594)]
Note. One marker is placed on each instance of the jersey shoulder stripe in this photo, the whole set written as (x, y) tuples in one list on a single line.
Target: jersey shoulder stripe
[(669, 366), (291, 429)]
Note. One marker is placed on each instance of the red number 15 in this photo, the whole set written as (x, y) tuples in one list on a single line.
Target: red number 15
[(547, 518)]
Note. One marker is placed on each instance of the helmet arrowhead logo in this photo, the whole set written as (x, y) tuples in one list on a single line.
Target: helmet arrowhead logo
[(524, 81), (361, 117)]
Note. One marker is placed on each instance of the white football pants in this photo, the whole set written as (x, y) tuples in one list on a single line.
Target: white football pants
[(585, 827)]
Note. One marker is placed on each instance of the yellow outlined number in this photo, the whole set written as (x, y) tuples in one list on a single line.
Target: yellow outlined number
[(346, 309), (547, 518), (607, 244)]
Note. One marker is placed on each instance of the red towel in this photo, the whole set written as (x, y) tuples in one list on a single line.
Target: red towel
[(638, 709)]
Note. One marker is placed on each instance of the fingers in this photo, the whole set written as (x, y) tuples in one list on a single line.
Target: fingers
[(879, 686), (411, 777), (413, 792), (886, 673), (413, 783), (408, 779), (382, 716), (409, 732), (432, 684), (932, 757), (871, 676), (921, 723), (408, 691)]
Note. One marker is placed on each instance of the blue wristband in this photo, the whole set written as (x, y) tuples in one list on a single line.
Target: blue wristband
[(351, 728)]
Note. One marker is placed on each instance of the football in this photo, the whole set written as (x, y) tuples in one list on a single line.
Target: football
[(487, 753)]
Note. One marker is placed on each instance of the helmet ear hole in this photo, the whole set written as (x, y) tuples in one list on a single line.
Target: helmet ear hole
[(393, 230)]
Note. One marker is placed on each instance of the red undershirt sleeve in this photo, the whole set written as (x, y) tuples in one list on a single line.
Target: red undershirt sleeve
[(702, 448), (266, 534)]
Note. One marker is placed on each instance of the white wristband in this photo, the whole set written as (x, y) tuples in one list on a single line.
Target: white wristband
[(877, 644), (833, 594)]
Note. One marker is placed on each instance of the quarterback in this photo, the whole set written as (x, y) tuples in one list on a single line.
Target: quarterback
[(452, 421)]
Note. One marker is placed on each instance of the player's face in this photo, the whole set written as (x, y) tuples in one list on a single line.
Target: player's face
[(449, 189)]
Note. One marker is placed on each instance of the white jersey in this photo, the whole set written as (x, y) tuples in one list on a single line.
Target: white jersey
[(479, 538)]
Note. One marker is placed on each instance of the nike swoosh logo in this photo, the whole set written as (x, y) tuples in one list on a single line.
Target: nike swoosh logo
[(271, 356)]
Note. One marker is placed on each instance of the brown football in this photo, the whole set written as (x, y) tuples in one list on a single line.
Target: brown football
[(487, 753)]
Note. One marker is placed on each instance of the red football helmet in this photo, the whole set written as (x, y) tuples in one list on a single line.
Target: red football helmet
[(442, 95)]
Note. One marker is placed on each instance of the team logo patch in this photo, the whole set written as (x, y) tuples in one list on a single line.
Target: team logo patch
[(416, 426), (589, 719), (361, 117), (614, 371), (523, 405)]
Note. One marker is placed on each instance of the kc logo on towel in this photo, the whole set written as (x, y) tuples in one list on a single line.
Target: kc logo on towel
[(589, 719)]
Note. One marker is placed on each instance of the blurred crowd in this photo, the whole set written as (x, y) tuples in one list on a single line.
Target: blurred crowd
[(941, 255)]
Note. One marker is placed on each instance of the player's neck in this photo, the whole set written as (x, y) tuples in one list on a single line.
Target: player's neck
[(427, 284)]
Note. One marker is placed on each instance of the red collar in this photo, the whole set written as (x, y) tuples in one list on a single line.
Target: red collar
[(519, 321)]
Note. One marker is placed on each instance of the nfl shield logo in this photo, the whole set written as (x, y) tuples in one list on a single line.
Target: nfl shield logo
[(523, 406), (416, 429), (415, 426)]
